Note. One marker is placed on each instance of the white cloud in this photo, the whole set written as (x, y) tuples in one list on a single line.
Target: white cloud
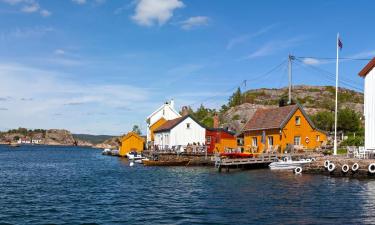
[(80, 2), (59, 52), (53, 93), (311, 61), (149, 12), (30, 8), (31, 32), (273, 47), (246, 37), (194, 22), (45, 13), (364, 54)]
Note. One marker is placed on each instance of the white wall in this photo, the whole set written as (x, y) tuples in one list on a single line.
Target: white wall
[(369, 110), (181, 135), (166, 112)]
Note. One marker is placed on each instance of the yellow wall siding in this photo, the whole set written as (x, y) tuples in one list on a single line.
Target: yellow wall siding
[(287, 135), (156, 126), (131, 142), (225, 143)]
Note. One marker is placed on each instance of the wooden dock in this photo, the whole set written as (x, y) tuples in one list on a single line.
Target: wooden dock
[(261, 161)]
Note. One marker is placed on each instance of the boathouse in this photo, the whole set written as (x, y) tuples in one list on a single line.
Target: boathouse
[(368, 73), (131, 142), (159, 117), (180, 132), (271, 130)]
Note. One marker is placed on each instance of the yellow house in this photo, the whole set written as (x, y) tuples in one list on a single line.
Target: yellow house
[(274, 129), (131, 142), (155, 126)]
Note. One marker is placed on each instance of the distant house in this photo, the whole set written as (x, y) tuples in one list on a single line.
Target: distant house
[(368, 73), (131, 142), (180, 131), (159, 117), (219, 139), (274, 129)]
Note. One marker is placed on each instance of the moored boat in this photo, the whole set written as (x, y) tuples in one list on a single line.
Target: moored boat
[(288, 164), (165, 163)]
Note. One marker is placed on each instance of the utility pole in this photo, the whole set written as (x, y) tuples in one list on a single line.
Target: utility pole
[(290, 58)]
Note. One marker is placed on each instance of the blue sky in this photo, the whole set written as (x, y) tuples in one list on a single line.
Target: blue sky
[(100, 66)]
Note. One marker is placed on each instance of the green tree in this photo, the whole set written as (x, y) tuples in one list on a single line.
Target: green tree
[(236, 98), (324, 120), (136, 130), (348, 120)]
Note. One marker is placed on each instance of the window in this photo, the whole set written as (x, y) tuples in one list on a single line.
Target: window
[(317, 137), (255, 141), (270, 140), (188, 125), (298, 120), (208, 140), (297, 140)]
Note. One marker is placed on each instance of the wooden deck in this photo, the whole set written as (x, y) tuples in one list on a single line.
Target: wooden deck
[(261, 161)]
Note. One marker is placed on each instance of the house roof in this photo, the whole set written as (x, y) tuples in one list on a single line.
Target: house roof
[(221, 130), (367, 68), (265, 119), (161, 107), (130, 134), (170, 124)]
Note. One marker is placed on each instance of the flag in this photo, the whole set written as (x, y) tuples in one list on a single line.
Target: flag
[(339, 43)]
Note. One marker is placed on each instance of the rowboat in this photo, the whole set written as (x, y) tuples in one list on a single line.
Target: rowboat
[(165, 163)]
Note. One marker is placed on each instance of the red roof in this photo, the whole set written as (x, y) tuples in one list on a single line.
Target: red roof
[(367, 68), (265, 119)]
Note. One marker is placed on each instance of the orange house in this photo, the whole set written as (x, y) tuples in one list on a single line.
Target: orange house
[(274, 129), (131, 142)]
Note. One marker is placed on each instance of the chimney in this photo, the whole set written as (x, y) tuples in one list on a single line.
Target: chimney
[(216, 121), (184, 111), (172, 103)]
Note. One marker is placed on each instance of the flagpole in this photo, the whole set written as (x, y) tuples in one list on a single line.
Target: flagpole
[(337, 84)]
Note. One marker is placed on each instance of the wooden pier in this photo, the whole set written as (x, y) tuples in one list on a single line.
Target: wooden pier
[(261, 161)]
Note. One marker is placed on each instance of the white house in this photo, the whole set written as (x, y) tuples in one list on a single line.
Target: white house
[(166, 111), (368, 73), (181, 131)]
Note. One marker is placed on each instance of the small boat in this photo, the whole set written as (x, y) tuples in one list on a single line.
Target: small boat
[(134, 156), (237, 155), (166, 163), (106, 151), (288, 164), (140, 161)]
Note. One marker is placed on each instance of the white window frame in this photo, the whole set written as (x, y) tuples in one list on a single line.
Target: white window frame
[(299, 140), (255, 141), (208, 140), (268, 139), (317, 137), (298, 120)]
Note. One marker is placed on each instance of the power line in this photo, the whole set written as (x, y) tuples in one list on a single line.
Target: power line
[(331, 76), (329, 58), (244, 82)]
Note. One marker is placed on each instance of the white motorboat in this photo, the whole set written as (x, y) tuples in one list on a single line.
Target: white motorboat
[(106, 151), (288, 164), (135, 156)]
